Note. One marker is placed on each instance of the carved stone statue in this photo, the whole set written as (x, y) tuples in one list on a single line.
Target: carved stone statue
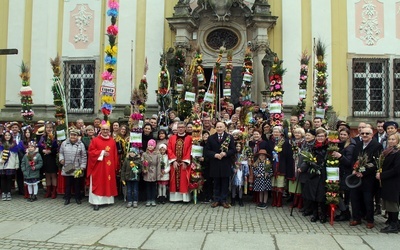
[(267, 62)]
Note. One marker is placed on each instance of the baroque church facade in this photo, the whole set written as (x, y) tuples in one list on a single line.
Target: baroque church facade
[(361, 37)]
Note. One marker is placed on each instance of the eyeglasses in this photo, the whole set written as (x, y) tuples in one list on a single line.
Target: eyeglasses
[(104, 129), (365, 133)]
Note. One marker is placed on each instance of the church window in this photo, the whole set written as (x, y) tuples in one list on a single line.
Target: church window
[(79, 79)]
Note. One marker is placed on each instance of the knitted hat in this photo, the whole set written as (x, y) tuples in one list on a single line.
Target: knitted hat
[(163, 146), (151, 143)]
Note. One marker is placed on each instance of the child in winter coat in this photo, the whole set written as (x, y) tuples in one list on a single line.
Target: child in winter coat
[(30, 166), (163, 173), (262, 170), (240, 174), (150, 160), (130, 176)]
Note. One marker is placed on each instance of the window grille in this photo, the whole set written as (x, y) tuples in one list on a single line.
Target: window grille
[(396, 87), (370, 87), (79, 79)]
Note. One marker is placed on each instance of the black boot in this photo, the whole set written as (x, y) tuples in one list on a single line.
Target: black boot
[(67, 201), (233, 201), (393, 226), (241, 203)]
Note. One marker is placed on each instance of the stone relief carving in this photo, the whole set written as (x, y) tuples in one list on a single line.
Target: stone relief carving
[(82, 21), (369, 27), (221, 8)]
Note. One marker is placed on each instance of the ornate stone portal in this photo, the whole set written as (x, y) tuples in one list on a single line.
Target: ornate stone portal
[(233, 24)]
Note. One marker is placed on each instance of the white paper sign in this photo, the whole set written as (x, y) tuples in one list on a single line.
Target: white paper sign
[(227, 92), (320, 113), (179, 87), (107, 88), (275, 108), (209, 97), (302, 93), (190, 96), (332, 174), (61, 135), (247, 77), (197, 151), (135, 137)]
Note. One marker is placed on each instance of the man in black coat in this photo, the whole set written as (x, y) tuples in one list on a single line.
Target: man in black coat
[(362, 196), (220, 149)]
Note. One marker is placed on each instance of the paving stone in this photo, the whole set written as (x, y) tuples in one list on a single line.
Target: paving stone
[(82, 235), (306, 242), (383, 241), (41, 231), (8, 228), (126, 237), (351, 242), (235, 240), (175, 240)]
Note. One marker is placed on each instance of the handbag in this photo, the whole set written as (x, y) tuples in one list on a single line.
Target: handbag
[(70, 167)]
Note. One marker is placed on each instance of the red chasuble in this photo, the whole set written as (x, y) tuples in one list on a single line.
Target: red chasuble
[(103, 172), (179, 149)]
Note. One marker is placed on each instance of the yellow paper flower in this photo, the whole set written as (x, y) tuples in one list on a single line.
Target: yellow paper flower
[(110, 66), (111, 50), (107, 99)]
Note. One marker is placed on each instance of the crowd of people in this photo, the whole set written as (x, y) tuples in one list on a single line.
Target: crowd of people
[(259, 161)]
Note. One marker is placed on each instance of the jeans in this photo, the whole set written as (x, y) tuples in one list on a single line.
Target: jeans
[(151, 188), (76, 183), (132, 191)]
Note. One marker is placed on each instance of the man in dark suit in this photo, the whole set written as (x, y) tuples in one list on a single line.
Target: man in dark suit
[(362, 197), (220, 149)]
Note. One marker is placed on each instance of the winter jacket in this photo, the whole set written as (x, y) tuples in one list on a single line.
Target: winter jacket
[(27, 169), (73, 153)]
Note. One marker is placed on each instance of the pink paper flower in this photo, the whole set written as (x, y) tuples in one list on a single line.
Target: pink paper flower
[(112, 4), (112, 30), (106, 75)]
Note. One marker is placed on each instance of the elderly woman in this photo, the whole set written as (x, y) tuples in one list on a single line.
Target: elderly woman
[(292, 174), (389, 177), (282, 160), (89, 135), (73, 157), (308, 145), (314, 188)]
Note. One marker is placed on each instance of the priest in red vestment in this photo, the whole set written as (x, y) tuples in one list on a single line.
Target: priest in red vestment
[(102, 166), (179, 150)]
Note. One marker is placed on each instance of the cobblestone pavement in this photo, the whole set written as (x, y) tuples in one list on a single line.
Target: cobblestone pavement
[(48, 224)]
